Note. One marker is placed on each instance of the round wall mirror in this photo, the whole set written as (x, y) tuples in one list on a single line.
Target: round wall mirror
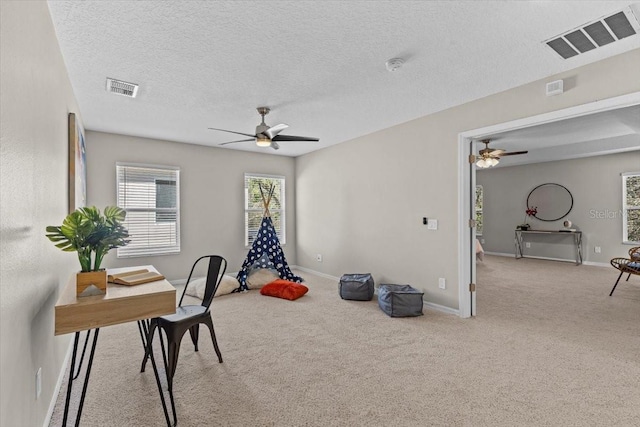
[(553, 202)]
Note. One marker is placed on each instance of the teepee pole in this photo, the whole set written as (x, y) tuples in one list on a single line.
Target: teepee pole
[(266, 200)]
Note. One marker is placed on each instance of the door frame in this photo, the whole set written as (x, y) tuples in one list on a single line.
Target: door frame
[(466, 182)]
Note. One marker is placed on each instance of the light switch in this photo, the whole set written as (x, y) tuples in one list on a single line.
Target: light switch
[(433, 224)]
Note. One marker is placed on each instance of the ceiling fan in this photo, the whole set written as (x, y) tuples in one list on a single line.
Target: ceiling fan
[(489, 157), (267, 136)]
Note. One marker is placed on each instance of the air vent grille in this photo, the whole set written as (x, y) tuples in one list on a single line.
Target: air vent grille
[(120, 87), (595, 34)]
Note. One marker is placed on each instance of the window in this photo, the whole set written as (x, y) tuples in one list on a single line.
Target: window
[(150, 195), (478, 207), (631, 207), (254, 207)]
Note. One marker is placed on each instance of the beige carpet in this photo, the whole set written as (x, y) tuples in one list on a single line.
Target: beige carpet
[(548, 348)]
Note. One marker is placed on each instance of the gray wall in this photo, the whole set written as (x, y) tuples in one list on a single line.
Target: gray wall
[(596, 186), (360, 203), (35, 98), (211, 195)]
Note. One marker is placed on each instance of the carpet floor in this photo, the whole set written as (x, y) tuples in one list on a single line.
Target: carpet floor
[(548, 347)]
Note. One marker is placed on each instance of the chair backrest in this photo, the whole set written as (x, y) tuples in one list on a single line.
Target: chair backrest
[(215, 272)]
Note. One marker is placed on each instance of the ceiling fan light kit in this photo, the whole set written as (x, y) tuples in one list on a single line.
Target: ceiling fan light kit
[(489, 157)]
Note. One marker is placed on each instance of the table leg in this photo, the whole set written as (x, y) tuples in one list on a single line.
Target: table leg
[(84, 350), (518, 241), (162, 398), (72, 378), (578, 241)]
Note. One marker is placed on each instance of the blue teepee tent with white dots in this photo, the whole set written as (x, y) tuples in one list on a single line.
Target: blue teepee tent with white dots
[(266, 251)]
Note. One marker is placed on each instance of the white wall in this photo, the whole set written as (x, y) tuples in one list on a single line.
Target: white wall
[(360, 204), (35, 98), (596, 186), (211, 195)]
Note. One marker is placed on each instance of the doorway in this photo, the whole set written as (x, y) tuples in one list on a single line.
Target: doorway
[(467, 184)]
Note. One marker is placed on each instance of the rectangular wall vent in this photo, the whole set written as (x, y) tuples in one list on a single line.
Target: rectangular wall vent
[(595, 34), (122, 88)]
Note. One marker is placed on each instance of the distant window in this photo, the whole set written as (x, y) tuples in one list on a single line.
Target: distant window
[(150, 195), (479, 205), (254, 207), (631, 207)]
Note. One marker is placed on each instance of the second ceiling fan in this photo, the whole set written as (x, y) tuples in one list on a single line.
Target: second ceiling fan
[(489, 157), (267, 136)]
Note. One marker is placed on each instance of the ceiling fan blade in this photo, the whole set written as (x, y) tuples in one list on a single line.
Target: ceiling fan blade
[(513, 153), (274, 145), (293, 138), (496, 151), (231, 131), (240, 140), (274, 130)]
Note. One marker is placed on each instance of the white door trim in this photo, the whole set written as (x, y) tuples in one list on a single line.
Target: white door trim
[(464, 175)]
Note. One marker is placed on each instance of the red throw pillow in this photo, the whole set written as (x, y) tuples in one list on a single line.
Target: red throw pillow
[(284, 289)]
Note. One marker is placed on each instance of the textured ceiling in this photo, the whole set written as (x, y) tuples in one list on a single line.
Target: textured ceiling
[(320, 65)]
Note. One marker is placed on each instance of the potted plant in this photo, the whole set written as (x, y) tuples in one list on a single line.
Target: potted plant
[(90, 234)]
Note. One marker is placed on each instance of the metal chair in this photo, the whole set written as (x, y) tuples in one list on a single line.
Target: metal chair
[(629, 265), (186, 318)]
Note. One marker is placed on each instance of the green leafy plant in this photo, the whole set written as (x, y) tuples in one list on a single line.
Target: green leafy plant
[(91, 234)]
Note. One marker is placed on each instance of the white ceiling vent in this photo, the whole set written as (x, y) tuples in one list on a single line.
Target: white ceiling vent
[(595, 34), (122, 88)]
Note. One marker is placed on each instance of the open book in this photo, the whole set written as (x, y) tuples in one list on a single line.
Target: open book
[(135, 277)]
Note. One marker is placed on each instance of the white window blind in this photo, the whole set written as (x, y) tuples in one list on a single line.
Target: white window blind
[(631, 207), (254, 208), (151, 197)]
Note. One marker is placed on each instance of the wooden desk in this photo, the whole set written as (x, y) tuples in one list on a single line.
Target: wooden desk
[(575, 235), (120, 304)]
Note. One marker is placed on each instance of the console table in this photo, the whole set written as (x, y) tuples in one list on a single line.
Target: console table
[(575, 235)]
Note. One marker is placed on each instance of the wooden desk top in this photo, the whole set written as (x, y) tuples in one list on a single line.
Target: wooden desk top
[(119, 305)]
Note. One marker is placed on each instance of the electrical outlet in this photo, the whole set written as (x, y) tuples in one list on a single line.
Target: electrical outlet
[(38, 383), (319, 257), (597, 250), (482, 241), (442, 283), (432, 224), (527, 244)]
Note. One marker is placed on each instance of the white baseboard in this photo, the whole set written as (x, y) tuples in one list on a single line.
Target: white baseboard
[(317, 273), (431, 305), (56, 390), (442, 308), (595, 264)]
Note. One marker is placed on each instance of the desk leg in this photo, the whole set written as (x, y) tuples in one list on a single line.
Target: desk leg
[(72, 378), (143, 328), (162, 399), (84, 350)]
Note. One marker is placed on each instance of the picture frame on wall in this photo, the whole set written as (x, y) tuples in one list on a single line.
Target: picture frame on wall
[(77, 165)]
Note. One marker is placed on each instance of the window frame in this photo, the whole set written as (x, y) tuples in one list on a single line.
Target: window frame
[(149, 250), (282, 236), (626, 208)]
